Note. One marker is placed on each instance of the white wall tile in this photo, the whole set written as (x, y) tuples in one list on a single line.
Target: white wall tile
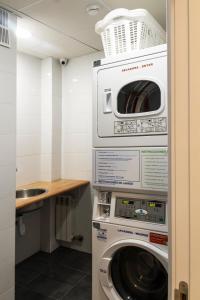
[(29, 105), (46, 167), (78, 124), (77, 116), (28, 145), (28, 125), (51, 119), (7, 119), (7, 254), (7, 164), (7, 272), (28, 118), (28, 169), (77, 135), (7, 181), (7, 150), (8, 295), (7, 211), (78, 143), (7, 94), (77, 161)]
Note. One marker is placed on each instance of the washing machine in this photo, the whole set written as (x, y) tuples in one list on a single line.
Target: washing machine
[(130, 99), (130, 247)]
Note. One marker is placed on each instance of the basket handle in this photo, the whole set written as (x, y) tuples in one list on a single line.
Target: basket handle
[(116, 14)]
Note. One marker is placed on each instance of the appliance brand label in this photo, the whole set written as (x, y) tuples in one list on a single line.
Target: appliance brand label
[(102, 234), (160, 239), (137, 67), (125, 231)]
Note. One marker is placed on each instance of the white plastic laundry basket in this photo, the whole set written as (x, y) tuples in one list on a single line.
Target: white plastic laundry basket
[(124, 30)]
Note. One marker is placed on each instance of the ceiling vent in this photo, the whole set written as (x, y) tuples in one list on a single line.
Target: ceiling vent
[(4, 29)]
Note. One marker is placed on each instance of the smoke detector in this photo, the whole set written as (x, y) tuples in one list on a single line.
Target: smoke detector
[(93, 10)]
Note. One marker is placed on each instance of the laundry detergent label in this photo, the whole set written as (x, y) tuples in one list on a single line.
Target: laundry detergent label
[(144, 168)]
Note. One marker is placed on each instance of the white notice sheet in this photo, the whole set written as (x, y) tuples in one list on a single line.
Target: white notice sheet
[(154, 164), (117, 167)]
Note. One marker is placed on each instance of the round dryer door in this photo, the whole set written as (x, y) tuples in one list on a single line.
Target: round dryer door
[(137, 271), (139, 97)]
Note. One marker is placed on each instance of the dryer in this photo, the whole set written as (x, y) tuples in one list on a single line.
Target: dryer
[(130, 100), (130, 247)]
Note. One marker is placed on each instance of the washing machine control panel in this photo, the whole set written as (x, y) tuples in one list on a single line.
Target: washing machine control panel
[(141, 210)]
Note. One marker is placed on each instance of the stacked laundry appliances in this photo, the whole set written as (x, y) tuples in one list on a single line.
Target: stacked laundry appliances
[(130, 177)]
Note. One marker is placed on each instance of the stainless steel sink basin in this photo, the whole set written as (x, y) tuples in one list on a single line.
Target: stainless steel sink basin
[(28, 193)]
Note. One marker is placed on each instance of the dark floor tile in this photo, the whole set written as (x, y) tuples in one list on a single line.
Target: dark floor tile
[(78, 260), (24, 275), (49, 287), (35, 265), (53, 276), (83, 290), (65, 274), (25, 294), (51, 257)]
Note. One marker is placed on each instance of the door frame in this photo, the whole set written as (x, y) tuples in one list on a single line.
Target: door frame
[(179, 187), (184, 145)]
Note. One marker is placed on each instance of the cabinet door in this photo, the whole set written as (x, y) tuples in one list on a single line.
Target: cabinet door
[(184, 45)]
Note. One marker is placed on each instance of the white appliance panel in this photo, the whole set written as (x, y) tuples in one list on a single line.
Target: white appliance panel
[(110, 82), (130, 100)]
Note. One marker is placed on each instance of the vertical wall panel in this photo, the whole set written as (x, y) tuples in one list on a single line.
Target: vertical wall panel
[(7, 165)]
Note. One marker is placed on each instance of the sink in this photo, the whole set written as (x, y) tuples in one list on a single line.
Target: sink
[(28, 193)]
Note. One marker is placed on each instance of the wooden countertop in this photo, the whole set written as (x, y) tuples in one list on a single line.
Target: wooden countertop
[(53, 188)]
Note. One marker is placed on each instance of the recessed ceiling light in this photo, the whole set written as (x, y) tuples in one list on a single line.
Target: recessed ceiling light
[(23, 33), (93, 10)]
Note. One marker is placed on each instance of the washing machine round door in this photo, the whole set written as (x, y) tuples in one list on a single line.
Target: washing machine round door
[(134, 270)]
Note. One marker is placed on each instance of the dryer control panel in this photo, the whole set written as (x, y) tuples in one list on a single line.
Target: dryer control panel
[(141, 210)]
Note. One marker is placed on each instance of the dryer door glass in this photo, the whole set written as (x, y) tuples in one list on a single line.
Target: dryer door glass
[(137, 274), (139, 97)]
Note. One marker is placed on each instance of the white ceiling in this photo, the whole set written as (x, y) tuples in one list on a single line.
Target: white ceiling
[(62, 28)]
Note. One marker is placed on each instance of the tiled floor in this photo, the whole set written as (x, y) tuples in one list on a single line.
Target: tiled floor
[(63, 275)]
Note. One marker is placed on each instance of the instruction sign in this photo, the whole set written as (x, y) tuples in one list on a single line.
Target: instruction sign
[(120, 167), (154, 163), (138, 168)]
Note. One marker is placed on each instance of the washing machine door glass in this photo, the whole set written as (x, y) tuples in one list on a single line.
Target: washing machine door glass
[(138, 275), (142, 96)]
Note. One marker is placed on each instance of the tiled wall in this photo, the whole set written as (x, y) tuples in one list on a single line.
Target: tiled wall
[(38, 119), (7, 166), (38, 137), (51, 120), (28, 145), (39, 142), (28, 118), (77, 136), (77, 117)]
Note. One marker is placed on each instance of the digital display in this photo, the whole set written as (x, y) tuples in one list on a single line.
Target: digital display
[(144, 210), (154, 204), (127, 202)]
